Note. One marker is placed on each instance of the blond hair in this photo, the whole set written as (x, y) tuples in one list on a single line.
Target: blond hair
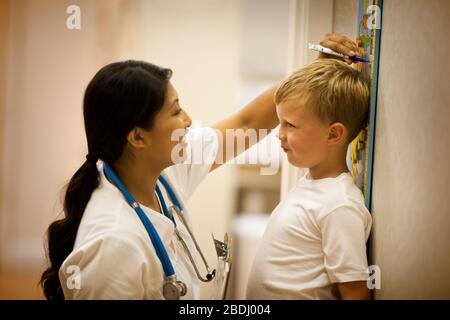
[(334, 92)]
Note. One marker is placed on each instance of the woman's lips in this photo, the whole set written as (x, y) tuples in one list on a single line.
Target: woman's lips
[(183, 141)]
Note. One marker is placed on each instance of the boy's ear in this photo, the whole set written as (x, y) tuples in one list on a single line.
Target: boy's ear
[(336, 133), (137, 137)]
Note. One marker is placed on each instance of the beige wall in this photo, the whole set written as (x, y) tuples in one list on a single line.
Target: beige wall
[(411, 208), (345, 16), (4, 21), (411, 202)]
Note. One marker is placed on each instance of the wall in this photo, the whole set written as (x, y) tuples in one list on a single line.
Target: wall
[(411, 209), (4, 26), (345, 17), (411, 203)]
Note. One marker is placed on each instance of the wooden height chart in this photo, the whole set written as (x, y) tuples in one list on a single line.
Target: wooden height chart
[(362, 148)]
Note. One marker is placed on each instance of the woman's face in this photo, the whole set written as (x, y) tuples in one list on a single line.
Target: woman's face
[(166, 137)]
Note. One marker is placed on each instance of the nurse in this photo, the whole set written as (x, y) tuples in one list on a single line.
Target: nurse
[(126, 232)]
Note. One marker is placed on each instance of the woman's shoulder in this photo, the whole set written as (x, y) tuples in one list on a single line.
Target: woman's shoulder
[(107, 216)]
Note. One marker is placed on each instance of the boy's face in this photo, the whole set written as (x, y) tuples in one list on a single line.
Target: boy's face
[(303, 136)]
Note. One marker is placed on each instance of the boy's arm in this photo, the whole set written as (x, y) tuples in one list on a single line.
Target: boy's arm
[(355, 290), (261, 113), (344, 247)]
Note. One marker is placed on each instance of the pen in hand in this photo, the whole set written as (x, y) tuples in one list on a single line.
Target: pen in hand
[(318, 47)]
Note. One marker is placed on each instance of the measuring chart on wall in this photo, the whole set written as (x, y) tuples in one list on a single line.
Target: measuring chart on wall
[(361, 156)]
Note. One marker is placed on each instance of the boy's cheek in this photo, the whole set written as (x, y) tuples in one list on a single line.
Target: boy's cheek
[(296, 159), (296, 146), (294, 153)]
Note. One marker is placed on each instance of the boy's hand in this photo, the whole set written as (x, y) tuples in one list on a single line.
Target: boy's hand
[(338, 43)]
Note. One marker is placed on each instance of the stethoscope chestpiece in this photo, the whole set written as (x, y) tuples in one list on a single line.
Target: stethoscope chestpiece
[(211, 275), (173, 289)]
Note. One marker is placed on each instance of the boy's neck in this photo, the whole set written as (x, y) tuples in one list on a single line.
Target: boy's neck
[(330, 168)]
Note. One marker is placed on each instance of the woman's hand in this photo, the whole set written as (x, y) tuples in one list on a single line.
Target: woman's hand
[(338, 43)]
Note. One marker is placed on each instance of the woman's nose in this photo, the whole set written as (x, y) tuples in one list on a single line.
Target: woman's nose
[(187, 120)]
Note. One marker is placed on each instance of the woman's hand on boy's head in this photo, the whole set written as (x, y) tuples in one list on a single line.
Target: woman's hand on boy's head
[(338, 43)]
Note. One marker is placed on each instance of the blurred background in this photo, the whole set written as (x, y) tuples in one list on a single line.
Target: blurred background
[(223, 53)]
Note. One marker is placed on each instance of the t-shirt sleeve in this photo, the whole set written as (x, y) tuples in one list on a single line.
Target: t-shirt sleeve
[(109, 268), (201, 146), (344, 244)]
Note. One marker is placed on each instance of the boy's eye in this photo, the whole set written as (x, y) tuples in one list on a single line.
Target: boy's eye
[(289, 125), (177, 112)]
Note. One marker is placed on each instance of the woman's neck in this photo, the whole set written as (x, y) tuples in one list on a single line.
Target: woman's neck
[(140, 180)]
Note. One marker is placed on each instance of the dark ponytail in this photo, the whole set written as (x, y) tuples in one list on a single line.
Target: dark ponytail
[(121, 96)]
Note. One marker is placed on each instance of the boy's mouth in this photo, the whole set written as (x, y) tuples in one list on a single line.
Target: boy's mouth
[(285, 149)]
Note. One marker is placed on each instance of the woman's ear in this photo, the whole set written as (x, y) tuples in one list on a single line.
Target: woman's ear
[(138, 137), (336, 133)]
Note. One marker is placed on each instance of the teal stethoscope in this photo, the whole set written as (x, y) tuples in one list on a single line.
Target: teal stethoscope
[(173, 289)]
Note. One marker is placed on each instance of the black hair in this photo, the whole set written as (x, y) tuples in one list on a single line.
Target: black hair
[(120, 97)]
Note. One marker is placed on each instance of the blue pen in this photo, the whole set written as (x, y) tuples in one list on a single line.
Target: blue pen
[(318, 47)]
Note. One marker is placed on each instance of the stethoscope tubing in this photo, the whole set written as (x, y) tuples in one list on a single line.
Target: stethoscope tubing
[(153, 234)]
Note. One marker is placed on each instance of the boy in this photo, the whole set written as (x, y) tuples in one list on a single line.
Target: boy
[(314, 244)]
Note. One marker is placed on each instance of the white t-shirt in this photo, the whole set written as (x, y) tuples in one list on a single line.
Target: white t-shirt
[(315, 238), (113, 250)]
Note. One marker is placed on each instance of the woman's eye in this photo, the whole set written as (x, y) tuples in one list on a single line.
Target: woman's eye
[(289, 125), (177, 112)]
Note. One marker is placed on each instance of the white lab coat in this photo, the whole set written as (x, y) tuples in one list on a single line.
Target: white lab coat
[(113, 257)]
